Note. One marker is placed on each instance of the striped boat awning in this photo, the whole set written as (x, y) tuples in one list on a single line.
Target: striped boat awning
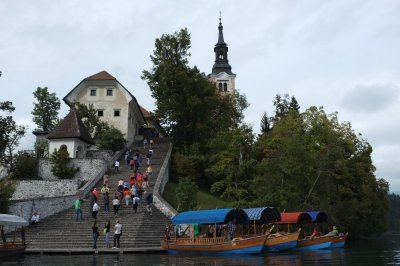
[(266, 214)]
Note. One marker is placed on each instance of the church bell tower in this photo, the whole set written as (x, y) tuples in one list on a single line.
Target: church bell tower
[(222, 73)]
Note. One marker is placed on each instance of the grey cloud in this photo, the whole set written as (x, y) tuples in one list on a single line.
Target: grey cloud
[(370, 98)]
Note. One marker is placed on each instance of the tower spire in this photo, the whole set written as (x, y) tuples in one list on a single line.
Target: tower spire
[(222, 71), (220, 30)]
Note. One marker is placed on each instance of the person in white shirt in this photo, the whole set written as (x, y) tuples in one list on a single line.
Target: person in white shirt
[(34, 219), (95, 210), (116, 165), (117, 233), (116, 204)]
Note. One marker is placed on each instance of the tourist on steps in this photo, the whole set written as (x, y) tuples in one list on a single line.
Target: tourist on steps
[(34, 219), (78, 209), (117, 234), (95, 210), (116, 204), (106, 200), (95, 231), (107, 228)]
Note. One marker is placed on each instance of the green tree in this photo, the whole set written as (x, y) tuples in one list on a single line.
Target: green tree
[(186, 194), (265, 123), (13, 141), (231, 166), (111, 139), (7, 125), (7, 188), (59, 160), (45, 111), (26, 166), (91, 120), (311, 161), (189, 107)]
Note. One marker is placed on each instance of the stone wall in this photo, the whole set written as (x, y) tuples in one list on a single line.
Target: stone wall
[(88, 168), (162, 179), (44, 189), (44, 206)]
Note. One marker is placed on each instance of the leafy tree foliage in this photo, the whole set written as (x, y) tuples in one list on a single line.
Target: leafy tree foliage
[(10, 132), (284, 105), (231, 165), (394, 212), (59, 160), (46, 109), (311, 161), (26, 166), (111, 139), (186, 194), (189, 107), (7, 125), (13, 141), (7, 188), (265, 123), (90, 119)]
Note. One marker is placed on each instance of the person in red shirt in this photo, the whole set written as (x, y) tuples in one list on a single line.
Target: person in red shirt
[(96, 193)]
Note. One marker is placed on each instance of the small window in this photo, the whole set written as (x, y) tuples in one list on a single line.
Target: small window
[(220, 86), (116, 112), (109, 92), (93, 92), (100, 113), (225, 87)]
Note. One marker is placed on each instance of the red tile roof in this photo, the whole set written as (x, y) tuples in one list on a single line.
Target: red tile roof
[(71, 127), (145, 112), (103, 75)]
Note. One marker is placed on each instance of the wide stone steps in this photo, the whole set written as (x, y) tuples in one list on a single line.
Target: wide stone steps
[(61, 231)]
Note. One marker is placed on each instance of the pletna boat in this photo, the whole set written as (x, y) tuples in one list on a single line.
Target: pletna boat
[(338, 241), (214, 241), (279, 240), (14, 247), (307, 243)]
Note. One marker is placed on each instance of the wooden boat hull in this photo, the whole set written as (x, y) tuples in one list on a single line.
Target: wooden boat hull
[(281, 242), (11, 250), (314, 243), (250, 245), (338, 241)]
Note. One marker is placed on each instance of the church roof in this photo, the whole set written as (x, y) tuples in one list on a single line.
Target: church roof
[(71, 127), (103, 75), (145, 112), (221, 54)]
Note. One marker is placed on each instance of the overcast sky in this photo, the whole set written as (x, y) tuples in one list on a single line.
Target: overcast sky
[(343, 55)]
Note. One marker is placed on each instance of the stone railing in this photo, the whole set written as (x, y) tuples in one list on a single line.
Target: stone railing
[(83, 191), (162, 179)]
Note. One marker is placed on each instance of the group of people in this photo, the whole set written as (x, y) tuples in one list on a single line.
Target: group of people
[(106, 232), (317, 233), (131, 191), (135, 159)]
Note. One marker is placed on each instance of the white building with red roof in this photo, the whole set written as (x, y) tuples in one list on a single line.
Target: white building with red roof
[(114, 103)]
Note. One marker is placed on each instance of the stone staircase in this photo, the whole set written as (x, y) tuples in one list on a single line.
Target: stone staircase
[(62, 231)]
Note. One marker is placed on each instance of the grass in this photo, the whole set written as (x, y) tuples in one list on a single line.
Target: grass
[(205, 200)]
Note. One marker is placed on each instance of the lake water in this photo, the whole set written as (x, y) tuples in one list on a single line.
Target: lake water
[(383, 251)]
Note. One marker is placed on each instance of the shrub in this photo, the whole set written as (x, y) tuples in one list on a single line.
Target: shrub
[(59, 160)]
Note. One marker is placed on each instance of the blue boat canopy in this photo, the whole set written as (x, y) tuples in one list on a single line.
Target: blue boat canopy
[(210, 216), (264, 214), (318, 217)]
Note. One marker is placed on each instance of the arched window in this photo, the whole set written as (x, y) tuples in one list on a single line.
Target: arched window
[(225, 87), (220, 86), (221, 55)]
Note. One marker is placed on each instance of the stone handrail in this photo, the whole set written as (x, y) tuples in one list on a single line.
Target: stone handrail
[(83, 191), (162, 179)]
